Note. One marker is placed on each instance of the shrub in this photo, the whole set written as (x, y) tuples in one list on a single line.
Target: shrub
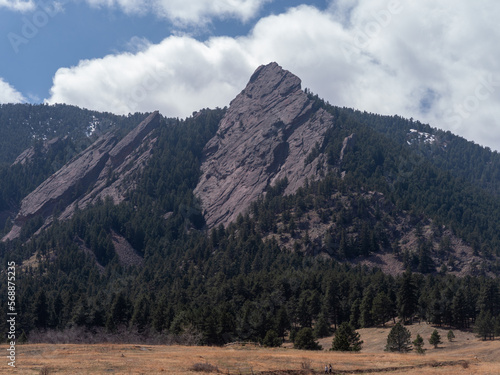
[(305, 364), (204, 367)]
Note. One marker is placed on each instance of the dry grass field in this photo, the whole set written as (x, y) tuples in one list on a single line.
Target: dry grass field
[(466, 355)]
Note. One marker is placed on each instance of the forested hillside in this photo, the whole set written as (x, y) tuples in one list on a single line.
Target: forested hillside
[(37, 140), (24, 124), (149, 266)]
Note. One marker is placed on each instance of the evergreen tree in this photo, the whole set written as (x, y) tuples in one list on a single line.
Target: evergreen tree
[(418, 343), (304, 310), (489, 298), (331, 303), (435, 314), (497, 326), (41, 310), (435, 338), (484, 327), (366, 317), (23, 339), (272, 340), (425, 262), (398, 339), (141, 314), (162, 315), (321, 328), (282, 323), (450, 335), (381, 308), (119, 312), (355, 313), (305, 340), (81, 313), (459, 310), (346, 339), (407, 297)]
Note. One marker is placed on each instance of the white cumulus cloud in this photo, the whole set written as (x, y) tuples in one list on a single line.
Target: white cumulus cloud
[(437, 62), (178, 76), (187, 12), (9, 94), (17, 5)]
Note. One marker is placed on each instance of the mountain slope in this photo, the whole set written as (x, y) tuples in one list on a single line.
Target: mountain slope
[(334, 190), (88, 178), (21, 124)]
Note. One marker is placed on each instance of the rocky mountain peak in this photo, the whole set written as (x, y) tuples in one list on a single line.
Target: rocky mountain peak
[(272, 79), (266, 135)]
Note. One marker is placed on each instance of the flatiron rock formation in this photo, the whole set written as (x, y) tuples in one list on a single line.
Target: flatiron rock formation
[(99, 171), (266, 135)]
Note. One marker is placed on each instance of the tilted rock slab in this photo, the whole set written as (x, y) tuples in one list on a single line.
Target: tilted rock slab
[(87, 177), (266, 135)]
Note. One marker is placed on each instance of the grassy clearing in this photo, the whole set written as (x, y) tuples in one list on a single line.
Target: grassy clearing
[(466, 355)]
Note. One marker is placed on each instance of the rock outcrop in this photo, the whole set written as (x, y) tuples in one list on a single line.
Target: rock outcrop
[(27, 155), (99, 171), (266, 135)]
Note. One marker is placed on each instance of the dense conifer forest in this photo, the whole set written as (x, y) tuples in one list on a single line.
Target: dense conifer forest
[(241, 282)]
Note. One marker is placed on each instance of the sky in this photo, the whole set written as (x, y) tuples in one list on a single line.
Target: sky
[(433, 61)]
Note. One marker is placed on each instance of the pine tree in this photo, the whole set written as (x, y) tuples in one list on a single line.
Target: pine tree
[(435, 338), (450, 335), (305, 340), (365, 309), (119, 312), (41, 310), (484, 325), (459, 309), (398, 339), (435, 313), (382, 307), (407, 297), (355, 313), (141, 314), (418, 343), (321, 327), (497, 326), (23, 338), (346, 339), (282, 323), (425, 263), (489, 298), (272, 340), (331, 303)]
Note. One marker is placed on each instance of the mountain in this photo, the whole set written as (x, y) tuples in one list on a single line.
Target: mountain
[(273, 214)]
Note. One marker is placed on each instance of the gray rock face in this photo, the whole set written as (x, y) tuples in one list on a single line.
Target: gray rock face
[(99, 171), (266, 135)]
